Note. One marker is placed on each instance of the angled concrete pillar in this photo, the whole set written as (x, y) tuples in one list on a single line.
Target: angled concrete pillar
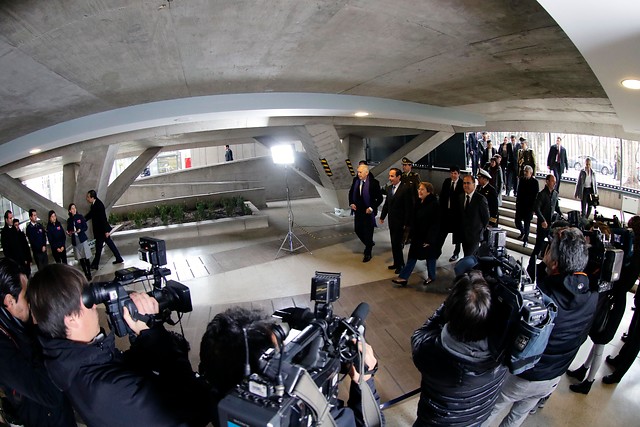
[(69, 176), (129, 175), (415, 149), (27, 199), (322, 142), (94, 172)]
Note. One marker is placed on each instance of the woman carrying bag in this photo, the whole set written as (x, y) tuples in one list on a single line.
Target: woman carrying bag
[(586, 189), (424, 236)]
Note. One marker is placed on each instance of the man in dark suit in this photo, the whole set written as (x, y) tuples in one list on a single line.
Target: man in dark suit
[(489, 192), (508, 163), (488, 154), (397, 205), (101, 229), (528, 190), (557, 161), (364, 198), (475, 215), (545, 205), (450, 217)]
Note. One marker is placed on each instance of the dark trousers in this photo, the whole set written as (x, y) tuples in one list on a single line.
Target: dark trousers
[(475, 160), (59, 257), (100, 241), (541, 234), (585, 206), (396, 234), (523, 223), (363, 226), (470, 246), (557, 172), (41, 259), (631, 347)]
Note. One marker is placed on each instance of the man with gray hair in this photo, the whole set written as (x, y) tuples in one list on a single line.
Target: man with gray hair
[(524, 204), (568, 286), (364, 198)]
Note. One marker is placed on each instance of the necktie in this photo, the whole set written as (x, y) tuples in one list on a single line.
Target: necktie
[(453, 188), (558, 156), (361, 185), (393, 191), (467, 202)]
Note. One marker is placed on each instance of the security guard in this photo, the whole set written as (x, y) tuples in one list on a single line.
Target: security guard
[(408, 176)]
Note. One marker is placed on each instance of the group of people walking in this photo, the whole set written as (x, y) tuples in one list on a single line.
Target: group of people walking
[(31, 246)]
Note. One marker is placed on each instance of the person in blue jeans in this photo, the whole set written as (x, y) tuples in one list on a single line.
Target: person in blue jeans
[(424, 234)]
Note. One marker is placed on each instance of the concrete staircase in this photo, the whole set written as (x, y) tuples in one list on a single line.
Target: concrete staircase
[(506, 221)]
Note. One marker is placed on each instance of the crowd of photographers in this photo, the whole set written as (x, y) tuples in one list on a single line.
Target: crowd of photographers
[(68, 361)]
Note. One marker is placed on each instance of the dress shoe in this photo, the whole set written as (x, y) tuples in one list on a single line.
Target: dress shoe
[(392, 267), (611, 379), (366, 258), (399, 269), (520, 236), (453, 258), (611, 361), (399, 283), (579, 373), (584, 387), (118, 261), (428, 281)]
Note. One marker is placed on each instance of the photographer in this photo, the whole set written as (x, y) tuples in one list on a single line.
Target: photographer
[(222, 356), (568, 286), (461, 379), (152, 384), (31, 398)]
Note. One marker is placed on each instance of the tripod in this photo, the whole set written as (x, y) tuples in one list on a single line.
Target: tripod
[(288, 242)]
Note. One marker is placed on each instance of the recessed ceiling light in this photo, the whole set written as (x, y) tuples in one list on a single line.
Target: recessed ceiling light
[(35, 151), (361, 114), (631, 83)]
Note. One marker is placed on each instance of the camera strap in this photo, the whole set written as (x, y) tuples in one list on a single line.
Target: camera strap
[(370, 408), (307, 390)]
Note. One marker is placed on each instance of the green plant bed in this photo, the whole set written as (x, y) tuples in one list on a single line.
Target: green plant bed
[(179, 214)]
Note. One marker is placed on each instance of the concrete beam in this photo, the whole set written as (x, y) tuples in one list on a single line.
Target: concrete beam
[(27, 199), (129, 175), (415, 149), (69, 180), (95, 169)]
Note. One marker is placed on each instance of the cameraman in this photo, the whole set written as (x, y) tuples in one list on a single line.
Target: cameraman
[(152, 384), (222, 359), (461, 379), (568, 286), (31, 398)]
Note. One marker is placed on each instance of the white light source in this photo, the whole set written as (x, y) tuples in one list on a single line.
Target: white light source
[(361, 114), (35, 151), (282, 154), (631, 84)]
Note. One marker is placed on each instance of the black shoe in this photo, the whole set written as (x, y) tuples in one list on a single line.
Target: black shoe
[(624, 337), (520, 236), (118, 261), (392, 267), (611, 361), (579, 373), (399, 269), (399, 283), (611, 379), (453, 258), (428, 281), (584, 387), (366, 258)]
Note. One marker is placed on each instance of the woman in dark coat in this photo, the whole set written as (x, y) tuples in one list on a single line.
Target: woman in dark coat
[(57, 239), (611, 308), (424, 235)]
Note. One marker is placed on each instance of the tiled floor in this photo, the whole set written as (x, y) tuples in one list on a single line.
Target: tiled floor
[(241, 269)]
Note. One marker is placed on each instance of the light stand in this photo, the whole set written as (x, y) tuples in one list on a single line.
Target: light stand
[(283, 154)]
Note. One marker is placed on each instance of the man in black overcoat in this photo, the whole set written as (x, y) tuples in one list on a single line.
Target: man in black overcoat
[(364, 198), (397, 206), (475, 215), (450, 210), (101, 229)]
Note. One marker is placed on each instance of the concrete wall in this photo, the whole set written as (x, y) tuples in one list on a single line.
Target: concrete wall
[(211, 155), (240, 177)]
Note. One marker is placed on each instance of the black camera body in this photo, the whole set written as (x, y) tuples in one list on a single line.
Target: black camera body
[(322, 347), (521, 315), (171, 295)]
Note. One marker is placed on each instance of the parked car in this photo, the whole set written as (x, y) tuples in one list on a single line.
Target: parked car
[(602, 166)]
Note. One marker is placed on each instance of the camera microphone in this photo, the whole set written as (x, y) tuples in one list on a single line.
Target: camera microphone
[(356, 320)]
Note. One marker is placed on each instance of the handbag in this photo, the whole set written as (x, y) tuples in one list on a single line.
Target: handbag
[(594, 199), (603, 315)]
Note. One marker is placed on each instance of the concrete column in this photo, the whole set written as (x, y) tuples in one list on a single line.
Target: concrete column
[(129, 175), (94, 172), (69, 174)]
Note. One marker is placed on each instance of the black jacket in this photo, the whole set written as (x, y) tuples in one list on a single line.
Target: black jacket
[(77, 222), (37, 236), (24, 379), (98, 215), (489, 192), (398, 206), (475, 218), (576, 309), (546, 203), (526, 198), (57, 236), (425, 228), (16, 247), (151, 384), (456, 389)]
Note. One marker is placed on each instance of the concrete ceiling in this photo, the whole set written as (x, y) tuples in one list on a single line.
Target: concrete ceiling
[(69, 63)]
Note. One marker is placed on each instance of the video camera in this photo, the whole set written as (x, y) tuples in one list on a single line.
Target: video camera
[(170, 294), (521, 315), (610, 247), (325, 343)]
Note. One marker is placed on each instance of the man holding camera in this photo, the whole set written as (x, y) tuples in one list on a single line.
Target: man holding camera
[(223, 351), (31, 398), (461, 379), (568, 286), (152, 384)]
